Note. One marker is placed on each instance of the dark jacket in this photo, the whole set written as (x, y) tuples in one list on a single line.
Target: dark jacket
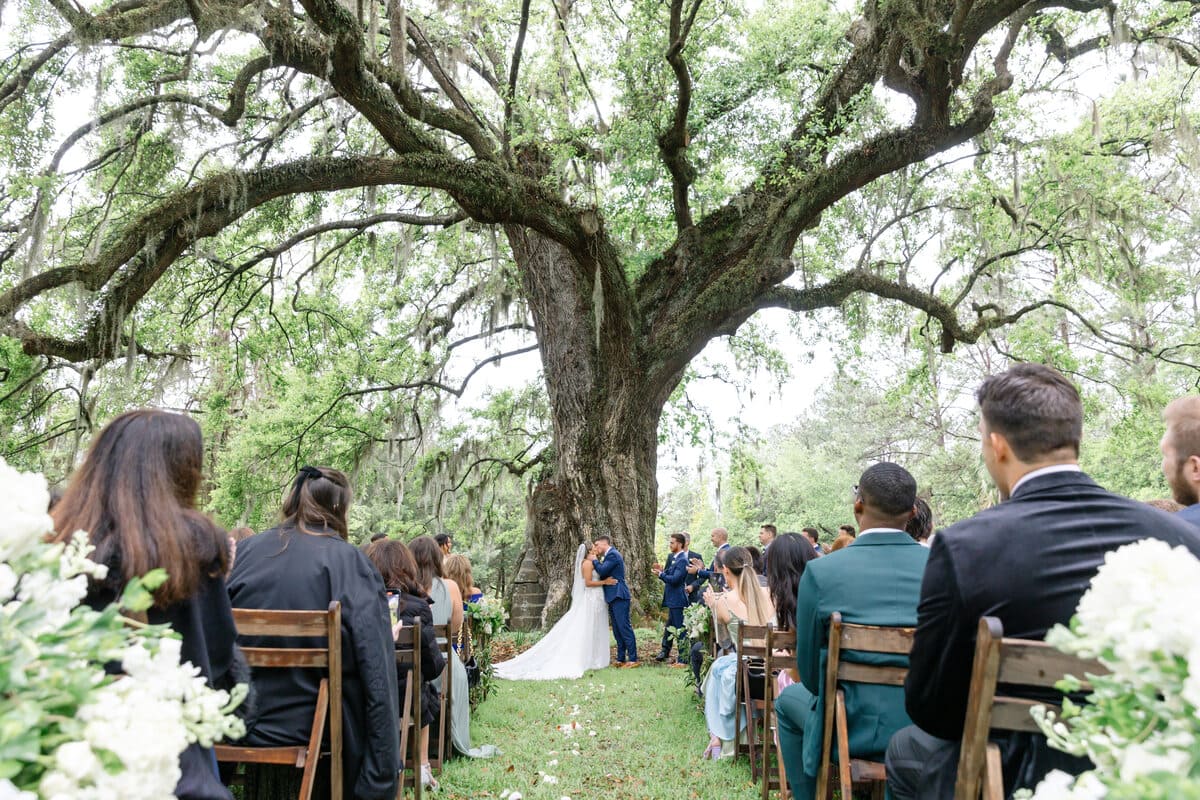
[(1191, 514), (412, 608), (674, 577), (695, 582), (612, 566), (712, 573), (1027, 561), (284, 568)]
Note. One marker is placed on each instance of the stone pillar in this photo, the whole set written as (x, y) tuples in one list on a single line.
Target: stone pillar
[(528, 597)]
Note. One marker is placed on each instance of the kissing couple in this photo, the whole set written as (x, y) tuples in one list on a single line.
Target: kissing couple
[(578, 642)]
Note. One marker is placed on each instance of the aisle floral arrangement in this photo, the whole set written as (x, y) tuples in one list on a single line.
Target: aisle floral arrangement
[(68, 730), (1140, 726), (485, 620)]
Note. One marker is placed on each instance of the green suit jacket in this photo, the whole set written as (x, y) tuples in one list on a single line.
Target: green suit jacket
[(876, 580)]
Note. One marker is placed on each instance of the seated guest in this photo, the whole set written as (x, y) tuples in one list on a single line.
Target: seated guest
[(920, 527), (848, 530), (446, 602), (1181, 454), (135, 495), (458, 569), (1026, 561), (876, 580), (790, 554), (305, 563), (446, 542), (756, 560), (399, 572), (841, 541), (743, 603)]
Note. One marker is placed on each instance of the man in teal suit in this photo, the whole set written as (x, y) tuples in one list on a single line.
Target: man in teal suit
[(876, 580)]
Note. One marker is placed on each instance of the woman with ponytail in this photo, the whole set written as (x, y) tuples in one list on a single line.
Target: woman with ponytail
[(305, 563), (743, 603)]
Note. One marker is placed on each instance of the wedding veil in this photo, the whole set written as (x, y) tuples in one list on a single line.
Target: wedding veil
[(577, 586)]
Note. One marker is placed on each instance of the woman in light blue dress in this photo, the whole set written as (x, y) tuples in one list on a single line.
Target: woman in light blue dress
[(744, 603)]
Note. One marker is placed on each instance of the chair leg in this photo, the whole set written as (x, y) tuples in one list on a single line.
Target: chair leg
[(993, 776), (843, 743)]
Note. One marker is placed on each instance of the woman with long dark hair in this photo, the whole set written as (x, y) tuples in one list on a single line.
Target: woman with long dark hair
[(410, 603), (305, 563), (135, 496), (790, 553)]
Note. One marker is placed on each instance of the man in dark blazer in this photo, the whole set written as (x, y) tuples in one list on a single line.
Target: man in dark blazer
[(694, 587), (1027, 561), (1180, 447), (673, 576), (875, 580), (609, 564)]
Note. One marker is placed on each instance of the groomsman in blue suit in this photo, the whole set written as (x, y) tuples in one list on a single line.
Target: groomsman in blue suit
[(674, 577), (694, 588), (611, 565)]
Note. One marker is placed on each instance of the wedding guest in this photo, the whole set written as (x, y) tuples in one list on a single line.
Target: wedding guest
[(814, 539), (458, 569), (1026, 561), (876, 580), (399, 572), (766, 535), (1166, 504), (673, 576), (920, 527), (447, 605), (756, 558), (694, 587), (1180, 447), (305, 563), (792, 552), (848, 530), (236, 535), (841, 541), (446, 542), (720, 540), (135, 495), (743, 603)]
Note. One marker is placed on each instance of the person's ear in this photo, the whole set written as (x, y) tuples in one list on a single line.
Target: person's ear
[(1191, 469), (859, 506), (1000, 447)]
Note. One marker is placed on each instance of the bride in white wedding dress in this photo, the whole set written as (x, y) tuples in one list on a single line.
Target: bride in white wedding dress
[(577, 642)]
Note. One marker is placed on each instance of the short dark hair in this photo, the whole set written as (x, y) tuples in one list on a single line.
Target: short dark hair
[(1034, 408), (811, 533), (679, 537), (755, 558), (604, 537), (375, 537), (849, 529), (769, 527), (921, 525), (443, 539), (888, 488)]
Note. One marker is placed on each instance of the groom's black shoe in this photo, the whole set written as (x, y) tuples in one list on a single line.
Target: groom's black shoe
[(662, 656)]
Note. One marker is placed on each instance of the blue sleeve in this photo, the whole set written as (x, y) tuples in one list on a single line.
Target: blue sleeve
[(810, 632), (677, 575), (604, 569)]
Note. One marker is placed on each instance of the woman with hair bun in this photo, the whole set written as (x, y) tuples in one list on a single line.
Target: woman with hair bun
[(305, 563)]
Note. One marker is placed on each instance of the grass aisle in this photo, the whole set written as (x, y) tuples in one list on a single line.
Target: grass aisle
[(648, 736)]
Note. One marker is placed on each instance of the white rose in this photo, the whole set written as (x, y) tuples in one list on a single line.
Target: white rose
[(10, 792), (24, 498), (77, 761)]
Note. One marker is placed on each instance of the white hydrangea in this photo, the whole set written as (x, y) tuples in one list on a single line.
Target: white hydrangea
[(10, 792), (24, 498)]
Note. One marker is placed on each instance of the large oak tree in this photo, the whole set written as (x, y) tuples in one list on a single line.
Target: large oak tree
[(652, 167)]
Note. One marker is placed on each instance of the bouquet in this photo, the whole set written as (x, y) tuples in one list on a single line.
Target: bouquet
[(69, 730), (696, 620), (1140, 726), (487, 619)]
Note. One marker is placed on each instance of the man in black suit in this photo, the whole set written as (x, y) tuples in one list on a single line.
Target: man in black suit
[(1180, 447), (1027, 561)]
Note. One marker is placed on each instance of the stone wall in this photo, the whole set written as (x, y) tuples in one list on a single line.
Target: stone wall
[(528, 597)]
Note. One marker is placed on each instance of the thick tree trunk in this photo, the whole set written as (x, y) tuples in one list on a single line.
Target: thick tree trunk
[(605, 418)]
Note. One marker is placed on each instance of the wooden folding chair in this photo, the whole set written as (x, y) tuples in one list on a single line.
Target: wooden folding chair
[(408, 654), (751, 652), (442, 738), (292, 624), (777, 642), (860, 638), (1014, 663)]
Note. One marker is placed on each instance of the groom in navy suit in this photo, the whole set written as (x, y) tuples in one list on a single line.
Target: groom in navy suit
[(611, 565)]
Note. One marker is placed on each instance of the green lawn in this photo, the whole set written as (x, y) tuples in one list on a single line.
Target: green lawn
[(640, 735)]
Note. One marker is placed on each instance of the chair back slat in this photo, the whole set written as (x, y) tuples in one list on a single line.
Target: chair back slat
[(279, 657), (256, 622), (896, 641), (1016, 663), (752, 641), (1029, 663), (871, 673)]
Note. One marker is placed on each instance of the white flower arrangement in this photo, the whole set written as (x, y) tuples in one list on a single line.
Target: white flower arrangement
[(68, 730), (1140, 726)]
